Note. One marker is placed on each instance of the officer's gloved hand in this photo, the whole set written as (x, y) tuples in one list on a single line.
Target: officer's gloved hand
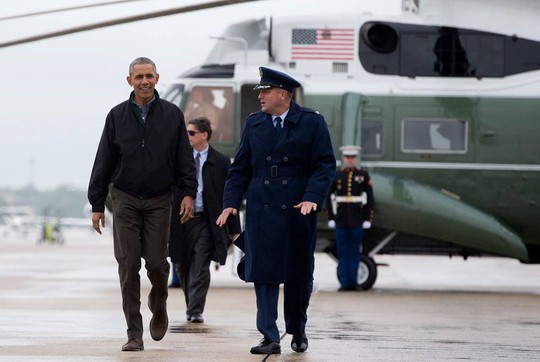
[(366, 225), (331, 224)]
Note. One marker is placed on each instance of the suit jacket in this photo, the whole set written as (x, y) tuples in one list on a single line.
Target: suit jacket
[(276, 172), (214, 174)]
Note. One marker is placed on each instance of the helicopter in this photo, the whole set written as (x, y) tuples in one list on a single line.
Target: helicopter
[(445, 110), (443, 103)]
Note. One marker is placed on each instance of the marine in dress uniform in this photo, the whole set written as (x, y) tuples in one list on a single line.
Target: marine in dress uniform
[(350, 211), (284, 167)]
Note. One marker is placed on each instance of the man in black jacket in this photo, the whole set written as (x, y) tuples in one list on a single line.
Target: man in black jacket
[(195, 244), (143, 152)]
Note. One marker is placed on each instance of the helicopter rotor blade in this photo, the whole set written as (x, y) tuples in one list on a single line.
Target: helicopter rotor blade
[(46, 12), (130, 19)]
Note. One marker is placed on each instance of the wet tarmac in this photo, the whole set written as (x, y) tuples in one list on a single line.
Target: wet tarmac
[(62, 303)]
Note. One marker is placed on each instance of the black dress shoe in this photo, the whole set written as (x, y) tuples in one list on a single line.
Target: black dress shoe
[(196, 318), (299, 342), (266, 347), (159, 324), (133, 344)]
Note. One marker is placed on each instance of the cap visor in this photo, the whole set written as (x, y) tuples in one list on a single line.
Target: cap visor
[(262, 86)]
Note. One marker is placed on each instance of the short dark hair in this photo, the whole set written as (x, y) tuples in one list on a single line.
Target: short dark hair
[(203, 125), (140, 61)]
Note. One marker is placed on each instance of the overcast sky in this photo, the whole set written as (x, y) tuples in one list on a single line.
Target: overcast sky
[(57, 92)]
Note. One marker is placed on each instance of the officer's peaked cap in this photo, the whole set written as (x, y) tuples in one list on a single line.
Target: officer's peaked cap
[(271, 78), (350, 150)]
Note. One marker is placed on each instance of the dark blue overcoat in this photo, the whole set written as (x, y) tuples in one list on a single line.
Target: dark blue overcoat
[(275, 173)]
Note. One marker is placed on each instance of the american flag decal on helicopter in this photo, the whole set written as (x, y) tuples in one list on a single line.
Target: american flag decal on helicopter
[(322, 44)]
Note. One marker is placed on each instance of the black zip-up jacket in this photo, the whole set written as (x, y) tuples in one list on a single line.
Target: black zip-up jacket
[(142, 160)]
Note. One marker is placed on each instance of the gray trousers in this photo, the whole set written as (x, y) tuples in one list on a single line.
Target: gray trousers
[(195, 277), (141, 230)]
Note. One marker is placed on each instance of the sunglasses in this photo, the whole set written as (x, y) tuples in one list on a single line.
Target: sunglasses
[(192, 133)]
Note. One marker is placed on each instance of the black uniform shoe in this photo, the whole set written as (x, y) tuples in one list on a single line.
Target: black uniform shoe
[(299, 342), (347, 289), (266, 347), (197, 318)]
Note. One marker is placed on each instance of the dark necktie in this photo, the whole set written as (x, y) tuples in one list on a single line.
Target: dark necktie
[(279, 126), (198, 163)]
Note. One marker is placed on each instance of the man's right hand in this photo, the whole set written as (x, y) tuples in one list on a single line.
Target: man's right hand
[(187, 209), (222, 219), (98, 217)]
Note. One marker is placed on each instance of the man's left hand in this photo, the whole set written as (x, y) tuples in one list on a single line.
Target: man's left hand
[(186, 209), (306, 207)]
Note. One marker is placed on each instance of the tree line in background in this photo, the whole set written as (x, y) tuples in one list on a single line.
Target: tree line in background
[(60, 202)]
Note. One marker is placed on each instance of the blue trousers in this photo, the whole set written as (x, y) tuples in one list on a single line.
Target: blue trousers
[(348, 241), (295, 304)]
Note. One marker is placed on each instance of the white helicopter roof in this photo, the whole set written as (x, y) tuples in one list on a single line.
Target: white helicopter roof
[(246, 45)]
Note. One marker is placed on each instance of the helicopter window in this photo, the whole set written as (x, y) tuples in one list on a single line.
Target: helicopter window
[(434, 135), (174, 94), (372, 132), (214, 103), (435, 51)]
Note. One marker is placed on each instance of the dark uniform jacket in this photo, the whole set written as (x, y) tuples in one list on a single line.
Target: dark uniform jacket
[(142, 160), (274, 174), (214, 173), (349, 185)]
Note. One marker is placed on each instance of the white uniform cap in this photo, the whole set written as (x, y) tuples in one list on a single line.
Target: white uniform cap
[(350, 150)]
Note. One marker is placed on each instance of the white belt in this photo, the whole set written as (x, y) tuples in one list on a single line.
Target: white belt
[(353, 199)]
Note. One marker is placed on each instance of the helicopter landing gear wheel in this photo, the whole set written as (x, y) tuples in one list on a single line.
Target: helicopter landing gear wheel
[(367, 272)]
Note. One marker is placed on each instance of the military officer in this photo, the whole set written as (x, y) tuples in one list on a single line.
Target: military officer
[(284, 166), (350, 211)]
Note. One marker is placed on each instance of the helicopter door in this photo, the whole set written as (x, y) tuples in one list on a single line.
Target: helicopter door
[(351, 110)]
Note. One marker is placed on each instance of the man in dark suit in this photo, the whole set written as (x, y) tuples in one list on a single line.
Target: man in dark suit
[(284, 166), (193, 245)]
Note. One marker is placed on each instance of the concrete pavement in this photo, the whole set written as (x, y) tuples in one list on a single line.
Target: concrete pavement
[(62, 303)]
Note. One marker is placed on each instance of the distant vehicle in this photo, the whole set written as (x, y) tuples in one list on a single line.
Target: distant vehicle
[(51, 232), (444, 101)]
